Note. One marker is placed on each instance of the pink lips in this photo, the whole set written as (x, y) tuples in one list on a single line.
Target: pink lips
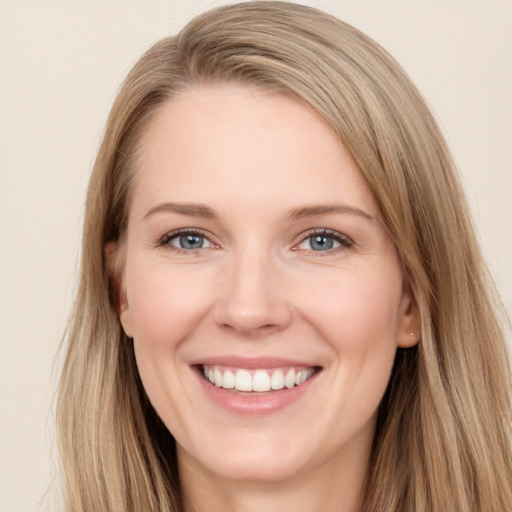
[(252, 403)]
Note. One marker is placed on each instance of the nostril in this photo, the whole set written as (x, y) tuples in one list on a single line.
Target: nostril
[(259, 317), (251, 330)]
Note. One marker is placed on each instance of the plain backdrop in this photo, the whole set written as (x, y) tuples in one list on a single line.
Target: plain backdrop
[(60, 66)]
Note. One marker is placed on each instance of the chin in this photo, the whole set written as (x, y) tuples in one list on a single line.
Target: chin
[(264, 459), (273, 467)]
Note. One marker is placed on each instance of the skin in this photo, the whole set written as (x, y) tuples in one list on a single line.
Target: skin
[(257, 287)]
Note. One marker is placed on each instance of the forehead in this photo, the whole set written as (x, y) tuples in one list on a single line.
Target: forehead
[(223, 142)]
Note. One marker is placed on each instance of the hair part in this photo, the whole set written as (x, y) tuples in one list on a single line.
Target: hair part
[(448, 401)]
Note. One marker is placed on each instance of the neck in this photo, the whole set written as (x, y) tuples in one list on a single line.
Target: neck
[(338, 485)]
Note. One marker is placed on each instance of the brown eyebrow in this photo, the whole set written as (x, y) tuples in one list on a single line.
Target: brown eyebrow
[(191, 209), (205, 212), (316, 210)]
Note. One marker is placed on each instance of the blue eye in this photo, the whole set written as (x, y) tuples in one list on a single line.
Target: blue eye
[(186, 240), (324, 241)]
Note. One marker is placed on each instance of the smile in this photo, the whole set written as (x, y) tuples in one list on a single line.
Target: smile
[(257, 380)]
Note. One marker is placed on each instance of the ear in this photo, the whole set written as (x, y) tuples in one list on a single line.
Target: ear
[(409, 325), (115, 261)]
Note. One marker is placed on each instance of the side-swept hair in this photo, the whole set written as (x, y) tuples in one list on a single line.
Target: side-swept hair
[(443, 436)]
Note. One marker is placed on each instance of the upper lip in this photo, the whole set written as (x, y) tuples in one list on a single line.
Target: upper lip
[(251, 363)]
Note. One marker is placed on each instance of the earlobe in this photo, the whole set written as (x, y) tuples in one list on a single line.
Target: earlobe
[(117, 289), (409, 325), (125, 319)]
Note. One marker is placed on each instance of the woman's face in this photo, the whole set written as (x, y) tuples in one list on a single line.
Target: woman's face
[(256, 258)]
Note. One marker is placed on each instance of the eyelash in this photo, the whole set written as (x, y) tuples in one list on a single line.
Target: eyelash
[(166, 239), (344, 241)]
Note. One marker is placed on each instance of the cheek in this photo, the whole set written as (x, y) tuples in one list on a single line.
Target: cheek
[(357, 311), (165, 306), (163, 303), (357, 317)]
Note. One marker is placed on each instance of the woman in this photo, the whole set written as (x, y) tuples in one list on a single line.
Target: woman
[(282, 302)]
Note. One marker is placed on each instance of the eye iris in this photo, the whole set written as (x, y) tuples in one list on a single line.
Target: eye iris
[(321, 243), (191, 241)]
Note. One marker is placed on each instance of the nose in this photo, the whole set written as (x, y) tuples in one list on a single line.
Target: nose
[(253, 300)]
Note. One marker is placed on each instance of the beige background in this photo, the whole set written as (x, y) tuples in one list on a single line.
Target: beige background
[(60, 66)]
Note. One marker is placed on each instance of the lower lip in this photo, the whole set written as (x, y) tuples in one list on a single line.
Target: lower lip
[(254, 403)]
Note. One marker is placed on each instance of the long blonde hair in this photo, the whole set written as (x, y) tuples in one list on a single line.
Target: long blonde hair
[(443, 437)]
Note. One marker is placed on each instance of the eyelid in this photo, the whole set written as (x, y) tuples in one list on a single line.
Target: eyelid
[(345, 241), (164, 241)]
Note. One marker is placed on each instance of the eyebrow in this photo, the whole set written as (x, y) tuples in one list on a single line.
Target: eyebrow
[(302, 212), (190, 209)]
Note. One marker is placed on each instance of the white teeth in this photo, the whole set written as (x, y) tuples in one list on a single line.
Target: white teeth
[(256, 380), (243, 380), (261, 381), (289, 380), (229, 380), (277, 380), (218, 377)]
